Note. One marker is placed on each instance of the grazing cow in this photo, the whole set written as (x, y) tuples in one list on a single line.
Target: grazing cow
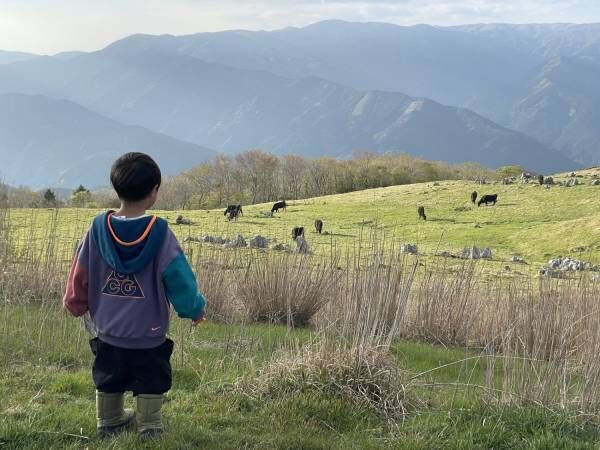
[(541, 179), (473, 197), (488, 199), (297, 231), (421, 211), (233, 211), (319, 226), (279, 205)]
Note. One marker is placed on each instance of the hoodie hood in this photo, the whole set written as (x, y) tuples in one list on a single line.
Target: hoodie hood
[(128, 245)]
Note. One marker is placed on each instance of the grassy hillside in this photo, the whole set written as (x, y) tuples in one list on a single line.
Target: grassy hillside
[(529, 220), (48, 397)]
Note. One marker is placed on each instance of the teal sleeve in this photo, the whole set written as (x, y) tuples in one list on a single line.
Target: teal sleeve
[(182, 290)]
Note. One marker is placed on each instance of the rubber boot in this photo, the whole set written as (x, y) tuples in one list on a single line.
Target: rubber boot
[(111, 416), (148, 415)]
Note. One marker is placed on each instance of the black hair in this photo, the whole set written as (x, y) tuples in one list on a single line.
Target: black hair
[(134, 175)]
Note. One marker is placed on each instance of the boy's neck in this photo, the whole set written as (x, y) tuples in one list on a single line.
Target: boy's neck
[(130, 210)]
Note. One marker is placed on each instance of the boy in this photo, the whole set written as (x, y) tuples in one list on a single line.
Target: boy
[(127, 269)]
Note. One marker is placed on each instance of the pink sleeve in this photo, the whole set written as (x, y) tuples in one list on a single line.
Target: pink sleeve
[(75, 299)]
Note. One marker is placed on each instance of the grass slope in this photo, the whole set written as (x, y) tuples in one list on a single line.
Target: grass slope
[(529, 220), (47, 397)]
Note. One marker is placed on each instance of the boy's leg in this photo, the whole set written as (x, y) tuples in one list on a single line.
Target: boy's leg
[(152, 371), (111, 417), (148, 414), (110, 373)]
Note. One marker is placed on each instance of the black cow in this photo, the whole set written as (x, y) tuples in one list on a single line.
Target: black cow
[(233, 211), (297, 231), (488, 199), (421, 211), (541, 179), (473, 197), (279, 205), (319, 226)]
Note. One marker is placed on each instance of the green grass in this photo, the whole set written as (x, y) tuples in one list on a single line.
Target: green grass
[(47, 396), (529, 220)]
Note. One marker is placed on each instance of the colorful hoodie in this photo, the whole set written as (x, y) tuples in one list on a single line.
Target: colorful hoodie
[(125, 273)]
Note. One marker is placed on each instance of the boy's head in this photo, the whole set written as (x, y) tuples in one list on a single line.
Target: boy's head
[(136, 178)]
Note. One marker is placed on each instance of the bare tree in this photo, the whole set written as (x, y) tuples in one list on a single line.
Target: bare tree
[(259, 171), (202, 181), (293, 176)]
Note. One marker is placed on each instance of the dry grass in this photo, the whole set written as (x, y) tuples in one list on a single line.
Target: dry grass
[(540, 338), (373, 379)]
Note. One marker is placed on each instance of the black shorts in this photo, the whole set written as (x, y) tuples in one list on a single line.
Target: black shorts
[(141, 371)]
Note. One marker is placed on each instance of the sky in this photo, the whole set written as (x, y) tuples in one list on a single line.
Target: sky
[(52, 26)]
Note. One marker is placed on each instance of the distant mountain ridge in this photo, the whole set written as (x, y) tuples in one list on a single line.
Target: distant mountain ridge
[(490, 69), (70, 145), (12, 57), (495, 94), (233, 109)]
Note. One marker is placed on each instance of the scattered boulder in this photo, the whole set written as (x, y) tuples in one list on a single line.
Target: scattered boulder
[(572, 182), (410, 249), (477, 225), (180, 220), (301, 245), (595, 182), (549, 181), (572, 174), (517, 259), (213, 240), (569, 265), (259, 242), (238, 242), (279, 247), (476, 253), (191, 239)]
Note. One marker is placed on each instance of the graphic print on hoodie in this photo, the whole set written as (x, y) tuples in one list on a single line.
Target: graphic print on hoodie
[(127, 273)]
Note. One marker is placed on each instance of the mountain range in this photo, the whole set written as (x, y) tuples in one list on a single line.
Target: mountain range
[(495, 94), (47, 142)]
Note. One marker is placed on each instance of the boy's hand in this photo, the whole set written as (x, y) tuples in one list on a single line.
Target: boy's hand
[(200, 319)]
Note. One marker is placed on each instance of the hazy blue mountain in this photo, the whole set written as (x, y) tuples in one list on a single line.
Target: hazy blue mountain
[(562, 107), (11, 57), (239, 89), (46, 142), (493, 69), (65, 56), (233, 109)]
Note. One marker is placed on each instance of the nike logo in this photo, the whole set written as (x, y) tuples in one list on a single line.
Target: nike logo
[(155, 328)]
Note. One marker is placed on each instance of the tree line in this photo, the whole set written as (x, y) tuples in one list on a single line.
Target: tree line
[(256, 176)]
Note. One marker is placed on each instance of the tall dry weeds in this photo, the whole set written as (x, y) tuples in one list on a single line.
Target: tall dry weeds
[(540, 338)]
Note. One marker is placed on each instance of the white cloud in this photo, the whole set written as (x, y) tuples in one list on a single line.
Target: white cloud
[(48, 26)]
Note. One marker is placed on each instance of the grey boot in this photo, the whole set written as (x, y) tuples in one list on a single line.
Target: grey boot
[(148, 415), (110, 415)]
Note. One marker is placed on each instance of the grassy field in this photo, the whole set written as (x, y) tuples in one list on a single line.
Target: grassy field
[(47, 397), (529, 220)]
